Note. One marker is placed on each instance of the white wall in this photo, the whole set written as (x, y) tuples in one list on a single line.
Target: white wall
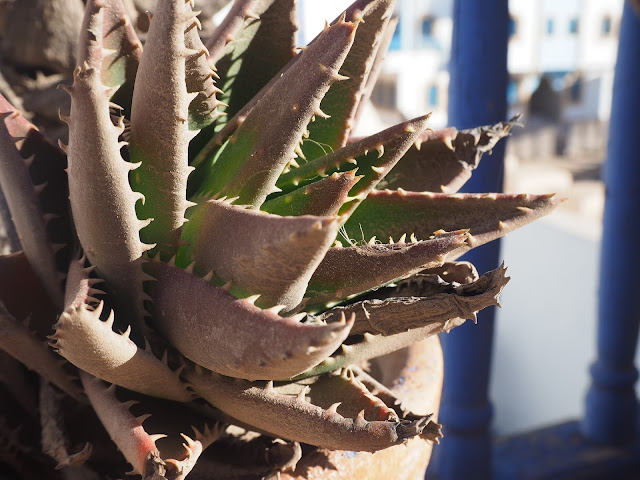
[(595, 101), (598, 52), (546, 331), (417, 68), (558, 50), (524, 44), (546, 335), (604, 104), (413, 83)]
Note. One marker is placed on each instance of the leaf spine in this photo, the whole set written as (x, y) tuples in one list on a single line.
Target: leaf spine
[(252, 299), (303, 393)]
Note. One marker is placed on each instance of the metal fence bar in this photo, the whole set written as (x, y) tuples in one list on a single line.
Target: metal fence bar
[(477, 96), (611, 407)]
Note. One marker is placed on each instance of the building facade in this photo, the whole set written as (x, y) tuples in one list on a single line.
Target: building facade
[(570, 42)]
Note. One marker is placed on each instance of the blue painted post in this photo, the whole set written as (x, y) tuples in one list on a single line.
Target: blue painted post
[(477, 96), (612, 407)]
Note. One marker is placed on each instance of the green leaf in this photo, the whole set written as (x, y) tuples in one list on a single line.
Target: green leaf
[(391, 214), (267, 140), (342, 99), (264, 44), (322, 198), (160, 132), (373, 157), (240, 11)]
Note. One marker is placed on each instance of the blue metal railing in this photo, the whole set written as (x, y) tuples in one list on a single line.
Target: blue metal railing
[(477, 96), (577, 449), (612, 406)]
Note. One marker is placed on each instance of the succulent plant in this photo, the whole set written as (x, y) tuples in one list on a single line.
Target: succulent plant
[(215, 243)]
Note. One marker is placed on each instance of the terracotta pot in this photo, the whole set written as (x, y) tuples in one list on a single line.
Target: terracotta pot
[(415, 375)]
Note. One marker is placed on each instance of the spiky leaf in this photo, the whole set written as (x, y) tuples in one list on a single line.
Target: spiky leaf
[(162, 147), (92, 345), (322, 198), (28, 217), (253, 43), (432, 302), (442, 161), (254, 55), (138, 446), (372, 156), (342, 99), (46, 163), (255, 155), (127, 432), (232, 336), (240, 11), (125, 50), (203, 109), (350, 270), (262, 254), (295, 418), (98, 177), (388, 213)]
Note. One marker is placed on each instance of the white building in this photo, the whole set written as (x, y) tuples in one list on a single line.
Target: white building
[(415, 78), (573, 42), (416, 65)]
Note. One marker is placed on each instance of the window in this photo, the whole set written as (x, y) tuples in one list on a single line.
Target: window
[(433, 96), (427, 27), (605, 29), (384, 94), (512, 91), (395, 40), (428, 33), (550, 26), (575, 91), (513, 26), (573, 26)]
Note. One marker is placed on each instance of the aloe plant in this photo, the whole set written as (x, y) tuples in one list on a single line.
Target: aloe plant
[(215, 245)]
